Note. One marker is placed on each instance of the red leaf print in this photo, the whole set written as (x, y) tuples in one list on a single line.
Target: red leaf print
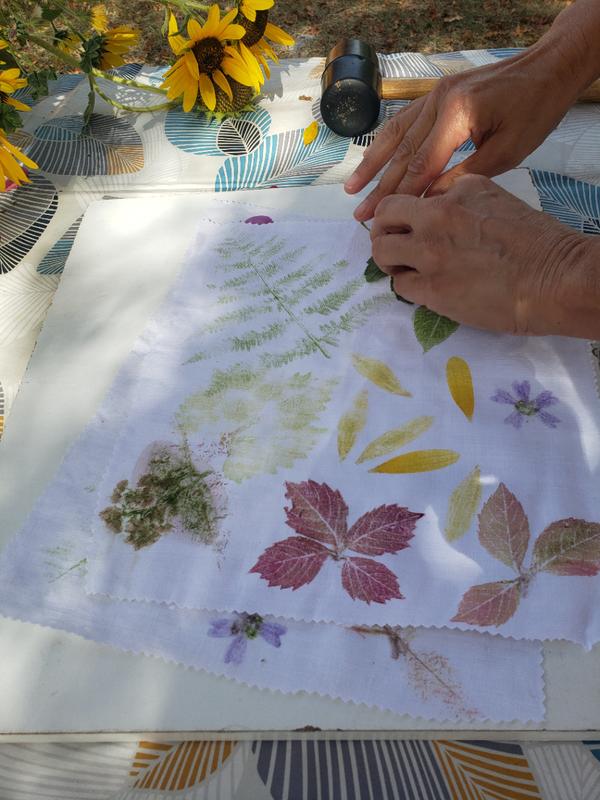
[(291, 563), (489, 603), (568, 547), (317, 511), (386, 529), (504, 528), (370, 581)]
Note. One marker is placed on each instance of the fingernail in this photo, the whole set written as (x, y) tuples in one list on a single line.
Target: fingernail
[(351, 184), (360, 211)]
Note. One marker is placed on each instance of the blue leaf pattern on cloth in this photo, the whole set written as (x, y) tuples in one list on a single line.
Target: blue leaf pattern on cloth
[(283, 160), (576, 203), (236, 136)]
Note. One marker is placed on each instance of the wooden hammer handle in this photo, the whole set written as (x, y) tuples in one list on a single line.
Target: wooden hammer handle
[(410, 88)]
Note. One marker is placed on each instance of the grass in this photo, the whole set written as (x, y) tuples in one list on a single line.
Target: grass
[(427, 26)]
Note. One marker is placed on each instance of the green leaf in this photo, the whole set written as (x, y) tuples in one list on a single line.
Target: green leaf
[(464, 502), (431, 328), (10, 118), (37, 82), (372, 272), (49, 14)]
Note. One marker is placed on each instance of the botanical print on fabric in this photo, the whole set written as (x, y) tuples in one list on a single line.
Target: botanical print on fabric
[(236, 401), (318, 514), (525, 406), (565, 547), (244, 628), (430, 673), (171, 492)]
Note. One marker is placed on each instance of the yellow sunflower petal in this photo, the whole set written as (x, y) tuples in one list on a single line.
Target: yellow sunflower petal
[(252, 64), (249, 12), (191, 64), (233, 32), (276, 34), (176, 41), (10, 74), (189, 96), (238, 72), (195, 30), (17, 104), (227, 19), (207, 92), (213, 20), (16, 152), (222, 83), (11, 167), (3, 44)]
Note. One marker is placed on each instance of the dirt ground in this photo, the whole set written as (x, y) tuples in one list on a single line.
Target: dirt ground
[(391, 25)]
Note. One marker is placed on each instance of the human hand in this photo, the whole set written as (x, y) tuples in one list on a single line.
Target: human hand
[(480, 256), (507, 109)]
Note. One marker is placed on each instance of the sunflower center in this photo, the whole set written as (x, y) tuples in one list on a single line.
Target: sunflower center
[(254, 30), (209, 54)]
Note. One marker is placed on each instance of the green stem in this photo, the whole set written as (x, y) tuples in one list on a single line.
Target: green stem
[(127, 82), (135, 109), (72, 62)]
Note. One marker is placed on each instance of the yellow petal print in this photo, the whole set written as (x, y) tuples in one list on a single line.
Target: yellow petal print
[(460, 384), (379, 373), (352, 423), (462, 506), (418, 461), (395, 439), (310, 133)]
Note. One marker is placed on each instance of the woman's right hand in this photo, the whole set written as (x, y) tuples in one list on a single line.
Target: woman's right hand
[(507, 109)]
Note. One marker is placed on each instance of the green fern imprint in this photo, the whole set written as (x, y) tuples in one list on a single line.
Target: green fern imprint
[(265, 422), (281, 287)]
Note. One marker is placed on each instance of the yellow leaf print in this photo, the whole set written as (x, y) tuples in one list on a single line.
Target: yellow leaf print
[(352, 423), (464, 502), (310, 133), (460, 384), (418, 461), (379, 373), (395, 439)]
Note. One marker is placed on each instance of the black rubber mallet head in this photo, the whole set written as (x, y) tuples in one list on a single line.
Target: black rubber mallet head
[(351, 88)]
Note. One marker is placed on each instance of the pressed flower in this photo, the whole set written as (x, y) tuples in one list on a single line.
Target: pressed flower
[(10, 168), (206, 62), (244, 627), (112, 45), (525, 406), (99, 19), (9, 83)]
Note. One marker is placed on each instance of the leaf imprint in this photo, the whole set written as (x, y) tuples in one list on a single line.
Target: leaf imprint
[(460, 383), (464, 502), (379, 374), (352, 423), (395, 439), (418, 461)]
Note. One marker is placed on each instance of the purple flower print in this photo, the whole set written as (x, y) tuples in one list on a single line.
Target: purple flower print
[(525, 406), (243, 627), (259, 219)]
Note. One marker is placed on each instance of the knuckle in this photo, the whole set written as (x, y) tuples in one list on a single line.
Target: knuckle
[(406, 148), (418, 164), (384, 206)]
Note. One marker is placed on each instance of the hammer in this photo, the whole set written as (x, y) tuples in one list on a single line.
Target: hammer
[(352, 88)]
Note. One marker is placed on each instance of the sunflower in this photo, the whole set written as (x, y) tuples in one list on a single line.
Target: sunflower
[(253, 15), (9, 83), (110, 46), (10, 168), (249, 7), (66, 41), (99, 19), (205, 60)]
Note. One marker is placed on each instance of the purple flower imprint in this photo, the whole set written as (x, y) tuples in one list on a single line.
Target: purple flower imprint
[(526, 407), (243, 627), (259, 219)]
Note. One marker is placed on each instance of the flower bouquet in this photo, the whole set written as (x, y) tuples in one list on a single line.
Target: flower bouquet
[(220, 60)]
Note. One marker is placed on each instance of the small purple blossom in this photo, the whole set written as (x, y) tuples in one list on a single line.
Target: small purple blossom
[(259, 219), (243, 627), (525, 406)]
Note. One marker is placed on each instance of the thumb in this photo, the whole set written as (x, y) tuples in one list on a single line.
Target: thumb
[(492, 158)]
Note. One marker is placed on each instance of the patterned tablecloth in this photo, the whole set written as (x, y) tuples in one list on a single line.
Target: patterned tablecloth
[(131, 155)]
